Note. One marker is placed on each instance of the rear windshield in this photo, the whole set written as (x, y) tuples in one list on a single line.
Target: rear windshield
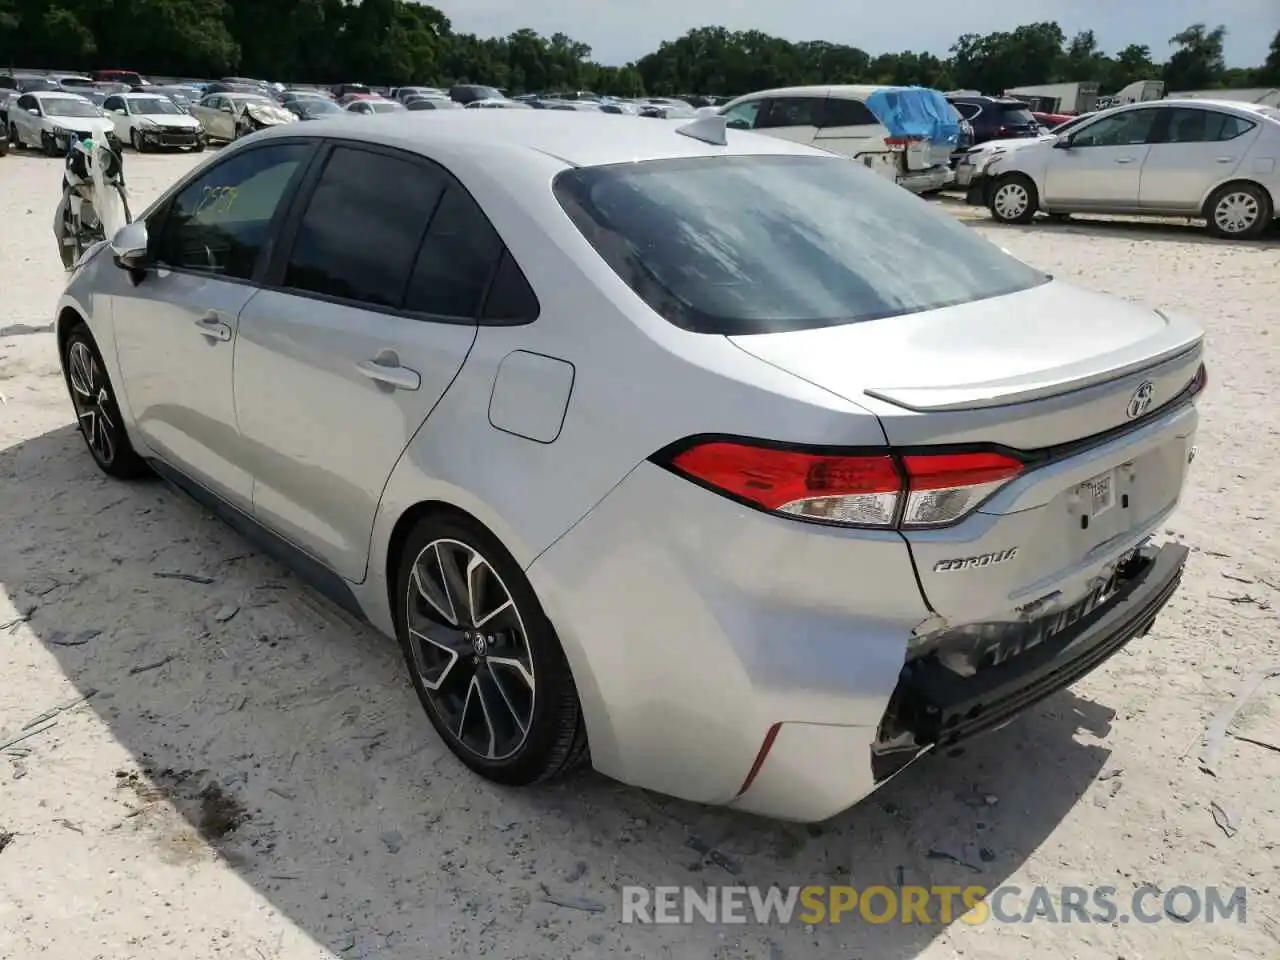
[(764, 244), (1015, 114)]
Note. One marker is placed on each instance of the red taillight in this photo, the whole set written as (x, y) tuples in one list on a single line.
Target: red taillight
[(868, 490), (1199, 381), (901, 143)]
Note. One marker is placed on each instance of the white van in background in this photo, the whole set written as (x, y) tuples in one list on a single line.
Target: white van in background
[(840, 119)]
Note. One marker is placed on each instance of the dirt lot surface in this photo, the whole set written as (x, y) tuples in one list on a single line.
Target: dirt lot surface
[(229, 768)]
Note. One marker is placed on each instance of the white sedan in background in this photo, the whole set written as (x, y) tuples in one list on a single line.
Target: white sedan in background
[(369, 106), (49, 120), (148, 121), (1208, 159)]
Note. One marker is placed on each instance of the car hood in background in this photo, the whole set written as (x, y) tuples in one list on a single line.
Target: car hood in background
[(268, 113)]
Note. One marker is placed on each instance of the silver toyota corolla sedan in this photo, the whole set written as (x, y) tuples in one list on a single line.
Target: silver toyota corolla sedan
[(713, 458)]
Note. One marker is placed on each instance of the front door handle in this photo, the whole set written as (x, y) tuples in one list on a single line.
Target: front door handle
[(393, 375), (1124, 160), (1224, 159), (212, 327)]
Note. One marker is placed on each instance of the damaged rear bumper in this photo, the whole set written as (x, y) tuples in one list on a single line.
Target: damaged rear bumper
[(934, 706)]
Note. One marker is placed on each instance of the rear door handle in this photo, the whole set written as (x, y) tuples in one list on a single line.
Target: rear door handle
[(212, 326), (1124, 160), (1224, 159), (402, 378)]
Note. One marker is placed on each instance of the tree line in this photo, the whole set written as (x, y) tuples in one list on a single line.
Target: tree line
[(396, 42)]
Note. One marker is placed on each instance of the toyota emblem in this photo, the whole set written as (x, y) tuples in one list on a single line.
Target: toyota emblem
[(1140, 402)]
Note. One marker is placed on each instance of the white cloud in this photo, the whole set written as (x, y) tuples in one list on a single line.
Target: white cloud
[(622, 30)]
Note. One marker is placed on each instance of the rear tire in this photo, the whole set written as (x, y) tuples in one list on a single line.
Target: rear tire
[(1239, 211), (14, 139), (1013, 198), (488, 669), (97, 413)]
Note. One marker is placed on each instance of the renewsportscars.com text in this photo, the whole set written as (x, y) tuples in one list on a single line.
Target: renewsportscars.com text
[(932, 905)]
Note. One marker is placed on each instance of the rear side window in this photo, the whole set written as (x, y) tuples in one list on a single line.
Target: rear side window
[(840, 112), (791, 112), (360, 233), (457, 259), (1015, 115), (822, 242), (511, 300)]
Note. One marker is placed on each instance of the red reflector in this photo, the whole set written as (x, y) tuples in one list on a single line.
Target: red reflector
[(772, 478), (947, 471)]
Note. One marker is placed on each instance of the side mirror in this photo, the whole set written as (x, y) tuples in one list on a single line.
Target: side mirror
[(130, 245), (1063, 142), (33, 111), (225, 108), (117, 111)]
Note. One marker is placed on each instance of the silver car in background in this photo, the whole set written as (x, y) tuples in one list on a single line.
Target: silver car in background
[(709, 491), (1213, 159)]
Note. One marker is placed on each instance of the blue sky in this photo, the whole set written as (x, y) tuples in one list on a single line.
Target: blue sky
[(622, 30)]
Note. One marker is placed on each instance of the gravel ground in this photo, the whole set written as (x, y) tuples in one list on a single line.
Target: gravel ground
[(253, 777)]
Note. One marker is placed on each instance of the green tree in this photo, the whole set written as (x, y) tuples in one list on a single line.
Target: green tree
[(1198, 63)]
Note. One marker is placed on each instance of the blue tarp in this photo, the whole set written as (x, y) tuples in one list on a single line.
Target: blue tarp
[(915, 112)]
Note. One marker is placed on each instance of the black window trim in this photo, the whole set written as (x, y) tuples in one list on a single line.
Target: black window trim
[(273, 274), (162, 207), (1160, 129)]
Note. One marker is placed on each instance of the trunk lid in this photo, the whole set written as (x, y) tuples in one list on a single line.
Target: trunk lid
[(1055, 370), (1033, 369)]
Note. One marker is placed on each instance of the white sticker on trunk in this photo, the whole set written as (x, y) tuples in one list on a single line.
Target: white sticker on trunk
[(1099, 493)]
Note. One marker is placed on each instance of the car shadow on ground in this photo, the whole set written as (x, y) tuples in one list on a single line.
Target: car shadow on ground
[(1184, 231), (288, 737)]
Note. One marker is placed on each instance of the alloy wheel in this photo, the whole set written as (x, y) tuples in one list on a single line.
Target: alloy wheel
[(92, 402), (1237, 212), (469, 646), (1010, 201)]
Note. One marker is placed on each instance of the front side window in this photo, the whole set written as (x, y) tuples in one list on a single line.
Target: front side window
[(1118, 130), (743, 116), (822, 242), (113, 103), (362, 228), (219, 223)]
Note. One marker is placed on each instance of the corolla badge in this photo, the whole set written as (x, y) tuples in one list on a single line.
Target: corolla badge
[(975, 563), (1140, 402)]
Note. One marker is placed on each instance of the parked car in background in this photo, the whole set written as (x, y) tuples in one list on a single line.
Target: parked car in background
[(183, 97), (147, 121), (340, 90), (49, 120), (996, 118), (72, 82), (370, 105), (1214, 159), (466, 93), (432, 103), (404, 94), (665, 108), (897, 487), (907, 134), (972, 164), (130, 78), (312, 108), (1048, 121), (229, 116), (497, 103)]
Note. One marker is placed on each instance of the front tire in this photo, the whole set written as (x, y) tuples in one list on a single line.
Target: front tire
[(483, 656), (1013, 198), (50, 145), (14, 139), (97, 413), (135, 141), (1239, 211)]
